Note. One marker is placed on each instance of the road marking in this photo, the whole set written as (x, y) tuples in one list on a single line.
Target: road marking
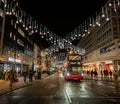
[(68, 97)]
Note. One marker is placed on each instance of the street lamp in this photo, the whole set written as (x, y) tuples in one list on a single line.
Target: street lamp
[(3, 26)]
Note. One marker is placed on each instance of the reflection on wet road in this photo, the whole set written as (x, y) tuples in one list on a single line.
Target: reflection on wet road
[(93, 92), (56, 90)]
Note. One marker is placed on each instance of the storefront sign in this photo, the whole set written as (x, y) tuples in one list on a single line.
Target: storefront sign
[(14, 60)]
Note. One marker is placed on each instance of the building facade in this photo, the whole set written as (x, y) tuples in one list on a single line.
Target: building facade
[(18, 50), (102, 44)]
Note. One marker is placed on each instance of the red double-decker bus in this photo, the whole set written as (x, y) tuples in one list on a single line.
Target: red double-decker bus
[(74, 67)]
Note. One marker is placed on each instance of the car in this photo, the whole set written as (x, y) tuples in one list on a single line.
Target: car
[(74, 76)]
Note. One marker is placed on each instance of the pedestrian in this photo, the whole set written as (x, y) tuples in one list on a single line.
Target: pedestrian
[(95, 75), (36, 75), (6, 75), (15, 76), (39, 73), (115, 75), (101, 74), (31, 75), (24, 75), (11, 78), (105, 74), (91, 74), (110, 74)]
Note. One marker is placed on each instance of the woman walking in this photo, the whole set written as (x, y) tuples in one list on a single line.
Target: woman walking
[(11, 77)]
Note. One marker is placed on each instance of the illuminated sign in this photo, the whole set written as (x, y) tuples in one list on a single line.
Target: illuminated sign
[(74, 63), (74, 57), (14, 60), (74, 60)]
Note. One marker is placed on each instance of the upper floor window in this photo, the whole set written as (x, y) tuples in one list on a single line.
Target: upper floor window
[(1, 13), (10, 34), (21, 32), (14, 37), (12, 22)]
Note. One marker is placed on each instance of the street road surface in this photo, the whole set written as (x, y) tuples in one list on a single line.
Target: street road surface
[(55, 90)]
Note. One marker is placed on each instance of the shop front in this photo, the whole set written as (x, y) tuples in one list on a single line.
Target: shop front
[(1, 70), (9, 64), (99, 66)]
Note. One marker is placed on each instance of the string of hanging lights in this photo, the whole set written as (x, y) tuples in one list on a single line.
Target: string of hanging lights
[(31, 25), (86, 27)]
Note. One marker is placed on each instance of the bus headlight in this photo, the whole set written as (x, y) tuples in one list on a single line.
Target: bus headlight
[(82, 74), (68, 74)]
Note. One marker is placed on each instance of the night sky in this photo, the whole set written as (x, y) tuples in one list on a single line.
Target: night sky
[(61, 17)]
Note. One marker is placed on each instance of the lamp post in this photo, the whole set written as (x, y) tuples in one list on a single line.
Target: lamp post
[(14, 64), (46, 58), (2, 31), (3, 26)]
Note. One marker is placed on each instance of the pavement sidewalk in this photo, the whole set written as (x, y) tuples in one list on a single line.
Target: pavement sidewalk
[(5, 87)]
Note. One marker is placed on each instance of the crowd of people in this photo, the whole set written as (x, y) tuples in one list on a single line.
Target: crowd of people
[(12, 75), (104, 74)]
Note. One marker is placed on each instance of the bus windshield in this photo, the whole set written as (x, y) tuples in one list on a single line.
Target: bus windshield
[(74, 64)]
